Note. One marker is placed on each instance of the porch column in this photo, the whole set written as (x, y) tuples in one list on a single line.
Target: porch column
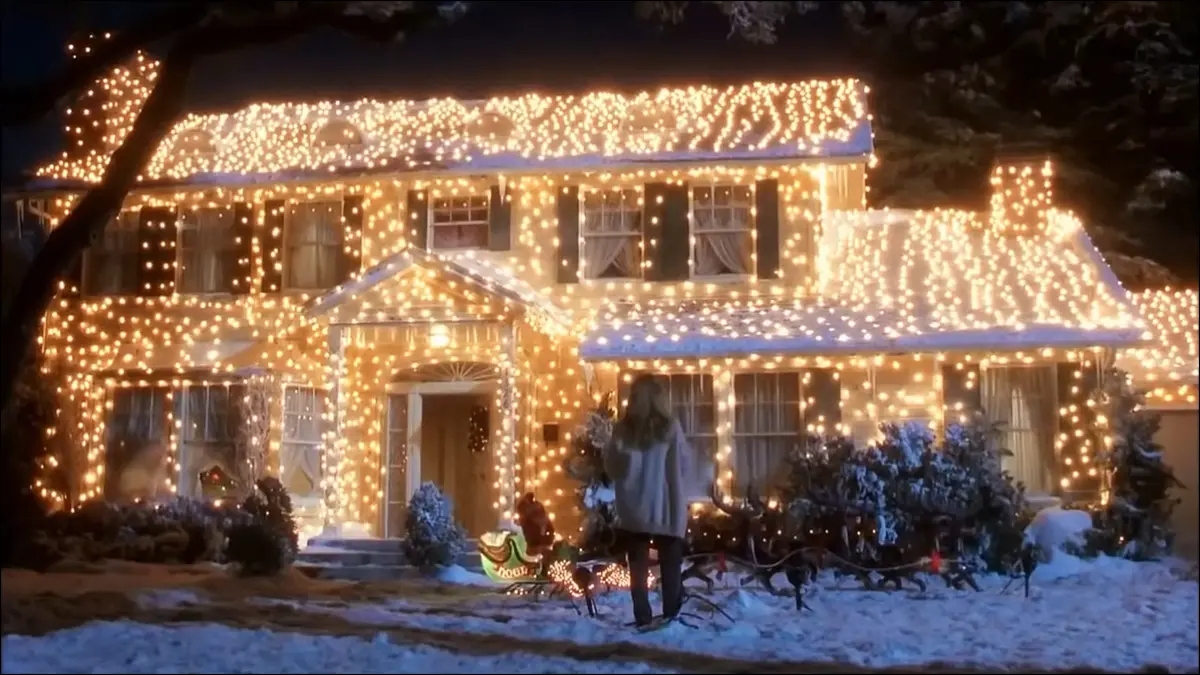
[(335, 442), (506, 464)]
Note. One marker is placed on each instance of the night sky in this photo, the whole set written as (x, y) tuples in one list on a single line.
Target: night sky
[(496, 48)]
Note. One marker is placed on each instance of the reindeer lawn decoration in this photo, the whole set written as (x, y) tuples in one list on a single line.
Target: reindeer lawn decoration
[(758, 540)]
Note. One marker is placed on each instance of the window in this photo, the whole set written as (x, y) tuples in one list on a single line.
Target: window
[(208, 439), (1022, 401), (459, 222), (691, 399), (767, 423), (136, 444), (207, 251), (300, 465), (314, 245), (722, 227), (111, 264), (612, 235)]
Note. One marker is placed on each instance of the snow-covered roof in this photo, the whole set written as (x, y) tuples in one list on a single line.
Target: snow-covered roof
[(900, 281), (533, 132), (468, 265), (1171, 317)]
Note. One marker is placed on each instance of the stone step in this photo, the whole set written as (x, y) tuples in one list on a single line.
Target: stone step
[(350, 558)]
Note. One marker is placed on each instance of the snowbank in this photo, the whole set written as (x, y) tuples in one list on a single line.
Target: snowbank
[(123, 647), (457, 574), (1054, 527)]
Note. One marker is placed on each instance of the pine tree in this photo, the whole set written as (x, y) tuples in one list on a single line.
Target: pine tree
[(595, 494), (1135, 522), (434, 538)]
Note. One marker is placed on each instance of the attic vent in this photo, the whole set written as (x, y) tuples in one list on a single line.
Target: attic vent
[(195, 142), (338, 133)]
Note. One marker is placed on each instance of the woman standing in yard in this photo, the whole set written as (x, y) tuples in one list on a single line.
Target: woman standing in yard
[(649, 462)]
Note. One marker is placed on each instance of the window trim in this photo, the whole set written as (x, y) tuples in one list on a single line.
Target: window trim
[(693, 240), (286, 243), (431, 226)]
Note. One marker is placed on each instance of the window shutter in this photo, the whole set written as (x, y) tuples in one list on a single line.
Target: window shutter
[(822, 389), (352, 236), (274, 221), (961, 396), (766, 225), (666, 232), (500, 219), (1076, 382), (242, 250), (157, 230), (568, 234), (418, 218)]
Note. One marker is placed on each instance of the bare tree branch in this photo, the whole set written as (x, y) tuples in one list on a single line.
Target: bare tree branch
[(28, 103)]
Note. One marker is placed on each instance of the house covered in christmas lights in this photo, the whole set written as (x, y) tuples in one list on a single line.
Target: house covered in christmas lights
[(358, 297)]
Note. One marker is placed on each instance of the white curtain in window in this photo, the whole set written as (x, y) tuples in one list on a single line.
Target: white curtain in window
[(205, 242), (766, 425), (209, 433), (314, 245), (612, 234), (136, 451), (1022, 400), (722, 240), (111, 264), (301, 449)]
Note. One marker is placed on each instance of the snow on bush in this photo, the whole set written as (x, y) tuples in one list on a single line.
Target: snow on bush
[(1056, 530), (434, 538), (895, 490)]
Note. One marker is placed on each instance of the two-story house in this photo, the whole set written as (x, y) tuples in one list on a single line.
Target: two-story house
[(362, 296)]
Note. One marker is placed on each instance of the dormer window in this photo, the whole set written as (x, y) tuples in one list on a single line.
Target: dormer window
[(195, 142), (339, 133)]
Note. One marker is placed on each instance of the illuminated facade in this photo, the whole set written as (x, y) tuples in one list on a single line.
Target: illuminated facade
[(342, 294)]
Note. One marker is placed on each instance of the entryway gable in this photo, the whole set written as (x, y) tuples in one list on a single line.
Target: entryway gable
[(439, 283)]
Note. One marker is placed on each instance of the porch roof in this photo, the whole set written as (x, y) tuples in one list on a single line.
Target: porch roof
[(1171, 356), (901, 282), (466, 266)]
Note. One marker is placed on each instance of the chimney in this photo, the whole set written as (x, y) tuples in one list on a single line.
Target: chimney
[(1022, 196)]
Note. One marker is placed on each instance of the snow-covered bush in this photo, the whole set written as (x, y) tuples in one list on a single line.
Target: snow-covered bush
[(269, 542), (595, 496), (433, 537), (890, 495)]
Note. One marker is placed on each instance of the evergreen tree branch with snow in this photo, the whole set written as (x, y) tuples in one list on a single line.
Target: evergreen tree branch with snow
[(595, 496), (434, 538)]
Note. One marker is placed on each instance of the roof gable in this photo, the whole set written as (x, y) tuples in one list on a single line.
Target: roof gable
[(472, 281)]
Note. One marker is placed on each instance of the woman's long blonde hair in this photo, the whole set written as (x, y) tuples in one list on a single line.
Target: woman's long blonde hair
[(647, 419)]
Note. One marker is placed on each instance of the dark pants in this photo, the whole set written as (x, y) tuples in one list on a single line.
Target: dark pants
[(670, 561)]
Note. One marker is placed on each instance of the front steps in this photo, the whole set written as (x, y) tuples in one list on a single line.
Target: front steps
[(367, 559)]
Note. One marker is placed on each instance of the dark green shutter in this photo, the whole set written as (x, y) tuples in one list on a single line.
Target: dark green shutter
[(242, 250), (766, 225), (1076, 383), (352, 234), (274, 221), (157, 231), (822, 391), (417, 215), (500, 219), (567, 210), (961, 399), (666, 233)]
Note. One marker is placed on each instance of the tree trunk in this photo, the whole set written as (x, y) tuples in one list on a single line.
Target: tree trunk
[(87, 220)]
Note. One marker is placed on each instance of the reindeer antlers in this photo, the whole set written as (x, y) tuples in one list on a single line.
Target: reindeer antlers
[(751, 506)]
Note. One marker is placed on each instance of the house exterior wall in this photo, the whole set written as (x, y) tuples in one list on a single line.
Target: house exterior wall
[(1180, 439)]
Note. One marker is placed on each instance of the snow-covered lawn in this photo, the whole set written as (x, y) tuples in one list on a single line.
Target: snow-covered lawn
[(1110, 615)]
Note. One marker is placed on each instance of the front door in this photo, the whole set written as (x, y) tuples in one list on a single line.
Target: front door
[(454, 458)]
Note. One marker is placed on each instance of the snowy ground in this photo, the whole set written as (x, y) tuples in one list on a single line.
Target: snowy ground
[(1109, 615)]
